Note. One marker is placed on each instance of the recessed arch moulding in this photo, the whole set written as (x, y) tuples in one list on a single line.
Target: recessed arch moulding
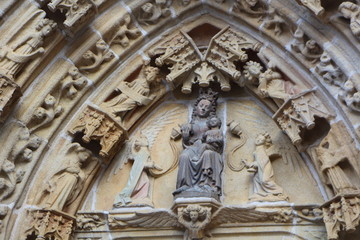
[(219, 124)]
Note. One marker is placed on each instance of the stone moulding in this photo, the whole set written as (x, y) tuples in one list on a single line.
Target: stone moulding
[(196, 217)]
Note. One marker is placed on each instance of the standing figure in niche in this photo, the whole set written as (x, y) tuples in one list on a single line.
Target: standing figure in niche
[(137, 189), (66, 184), (200, 163), (265, 188), (27, 47), (135, 93)]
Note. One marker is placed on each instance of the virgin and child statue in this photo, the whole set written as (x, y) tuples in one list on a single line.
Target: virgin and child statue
[(200, 162)]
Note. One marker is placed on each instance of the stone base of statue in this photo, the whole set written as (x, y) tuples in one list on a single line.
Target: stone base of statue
[(49, 224), (196, 192), (268, 198)]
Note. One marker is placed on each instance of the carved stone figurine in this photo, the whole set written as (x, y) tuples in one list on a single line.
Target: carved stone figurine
[(150, 13), (350, 96), (195, 218), (137, 189), (200, 163), (254, 8), (135, 93), (265, 188), (14, 56), (351, 11), (66, 184)]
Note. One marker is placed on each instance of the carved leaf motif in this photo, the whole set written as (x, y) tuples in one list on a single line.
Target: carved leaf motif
[(156, 219)]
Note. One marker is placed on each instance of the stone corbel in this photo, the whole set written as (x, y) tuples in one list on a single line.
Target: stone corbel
[(342, 213), (76, 12), (179, 53), (298, 112), (228, 47), (49, 224), (99, 126), (314, 6), (195, 216)]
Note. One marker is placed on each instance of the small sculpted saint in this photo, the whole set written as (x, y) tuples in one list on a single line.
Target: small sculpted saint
[(265, 187), (66, 184)]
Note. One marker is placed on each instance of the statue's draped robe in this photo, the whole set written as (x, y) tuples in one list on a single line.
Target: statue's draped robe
[(264, 183), (200, 163), (65, 186), (122, 103)]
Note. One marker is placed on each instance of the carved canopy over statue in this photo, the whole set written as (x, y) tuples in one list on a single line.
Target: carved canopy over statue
[(201, 163)]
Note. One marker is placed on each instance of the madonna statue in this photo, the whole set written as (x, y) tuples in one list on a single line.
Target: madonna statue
[(200, 163)]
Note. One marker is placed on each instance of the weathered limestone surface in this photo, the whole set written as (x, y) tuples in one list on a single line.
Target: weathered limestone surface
[(189, 119)]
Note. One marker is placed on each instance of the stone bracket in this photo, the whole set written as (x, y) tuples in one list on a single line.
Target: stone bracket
[(342, 213), (298, 112), (99, 126), (49, 224)]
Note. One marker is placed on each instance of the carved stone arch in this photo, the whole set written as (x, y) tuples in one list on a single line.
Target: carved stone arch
[(63, 118)]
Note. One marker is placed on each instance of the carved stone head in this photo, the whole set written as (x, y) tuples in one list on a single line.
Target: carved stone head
[(263, 139), (82, 153), (203, 108), (252, 3), (151, 74), (147, 8), (214, 122), (205, 105)]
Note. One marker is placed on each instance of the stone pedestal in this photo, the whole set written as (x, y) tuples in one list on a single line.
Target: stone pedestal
[(49, 224)]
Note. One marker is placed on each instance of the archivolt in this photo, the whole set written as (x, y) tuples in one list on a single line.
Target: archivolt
[(88, 68)]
